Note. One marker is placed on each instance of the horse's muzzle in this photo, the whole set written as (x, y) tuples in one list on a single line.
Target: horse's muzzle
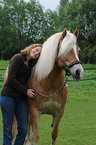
[(77, 74)]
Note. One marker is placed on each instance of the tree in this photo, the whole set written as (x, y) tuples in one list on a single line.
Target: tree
[(80, 14), (50, 23), (19, 25), (24, 23)]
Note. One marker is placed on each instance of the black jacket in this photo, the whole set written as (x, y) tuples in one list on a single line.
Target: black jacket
[(18, 74)]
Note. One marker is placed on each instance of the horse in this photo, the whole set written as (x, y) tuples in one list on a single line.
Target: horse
[(59, 53)]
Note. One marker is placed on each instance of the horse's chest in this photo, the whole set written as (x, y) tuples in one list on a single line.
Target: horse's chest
[(50, 107)]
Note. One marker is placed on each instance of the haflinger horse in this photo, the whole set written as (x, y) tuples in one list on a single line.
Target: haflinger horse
[(59, 52)]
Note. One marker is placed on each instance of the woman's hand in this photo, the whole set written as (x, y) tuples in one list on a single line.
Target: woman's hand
[(30, 93)]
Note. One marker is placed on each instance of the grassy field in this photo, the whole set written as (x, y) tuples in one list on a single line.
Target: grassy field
[(78, 124)]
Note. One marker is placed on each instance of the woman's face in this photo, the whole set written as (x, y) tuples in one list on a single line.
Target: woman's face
[(35, 52)]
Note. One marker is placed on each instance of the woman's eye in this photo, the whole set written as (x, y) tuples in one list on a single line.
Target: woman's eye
[(33, 51), (36, 49)]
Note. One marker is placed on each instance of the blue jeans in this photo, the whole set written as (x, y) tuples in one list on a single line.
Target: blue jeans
[(9, 107)]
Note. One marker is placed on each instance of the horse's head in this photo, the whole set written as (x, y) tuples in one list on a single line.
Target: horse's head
[(68, 54)]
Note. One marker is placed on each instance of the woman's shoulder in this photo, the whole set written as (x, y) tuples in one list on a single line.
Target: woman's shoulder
[(17, 58)]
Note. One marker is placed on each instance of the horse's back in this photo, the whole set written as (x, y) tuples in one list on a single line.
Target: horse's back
[(5, 74)]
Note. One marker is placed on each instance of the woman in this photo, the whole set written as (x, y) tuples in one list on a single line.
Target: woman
[(13, 98)]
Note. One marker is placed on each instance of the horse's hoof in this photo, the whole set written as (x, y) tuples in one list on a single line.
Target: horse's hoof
[(28, 143)]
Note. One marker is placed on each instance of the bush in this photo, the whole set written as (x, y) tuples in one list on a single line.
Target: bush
[(92, 55), (84, 55), (88, 55), (8, 53)]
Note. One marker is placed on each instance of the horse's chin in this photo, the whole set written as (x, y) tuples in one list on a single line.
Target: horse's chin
[(74, 79)]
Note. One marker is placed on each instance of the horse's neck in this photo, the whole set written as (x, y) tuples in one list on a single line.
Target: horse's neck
[(56, 77), (52, 82)]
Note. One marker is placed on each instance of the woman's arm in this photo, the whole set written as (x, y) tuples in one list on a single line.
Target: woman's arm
[(14, 66)]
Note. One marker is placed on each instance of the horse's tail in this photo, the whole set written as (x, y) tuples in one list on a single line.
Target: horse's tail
[(14, 128), (6, 74)]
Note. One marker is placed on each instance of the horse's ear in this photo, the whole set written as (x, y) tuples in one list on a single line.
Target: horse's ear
[(76, 32), (62, 36), (64, 33)]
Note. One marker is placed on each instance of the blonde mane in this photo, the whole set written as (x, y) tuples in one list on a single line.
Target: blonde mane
[(48, 54)]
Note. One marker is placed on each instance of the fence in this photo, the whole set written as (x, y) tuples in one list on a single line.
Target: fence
[(92, 78)]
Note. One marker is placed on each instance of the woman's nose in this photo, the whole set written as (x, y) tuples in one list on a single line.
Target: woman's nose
[(36, 52)]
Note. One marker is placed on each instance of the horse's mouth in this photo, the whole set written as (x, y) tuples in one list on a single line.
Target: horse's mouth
[(76, 79), (77, 75)]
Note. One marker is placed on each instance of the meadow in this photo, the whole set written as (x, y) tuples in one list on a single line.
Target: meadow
[(78, 124)]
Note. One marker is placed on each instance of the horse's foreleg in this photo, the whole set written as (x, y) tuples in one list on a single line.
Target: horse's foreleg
[(34, 120), (54, 132), (35, 133), (27, 140)]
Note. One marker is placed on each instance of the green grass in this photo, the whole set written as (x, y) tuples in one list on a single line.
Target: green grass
[(3, 65), (78, 124)]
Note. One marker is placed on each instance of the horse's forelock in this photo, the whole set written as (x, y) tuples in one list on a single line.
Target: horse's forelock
[(67, 43)]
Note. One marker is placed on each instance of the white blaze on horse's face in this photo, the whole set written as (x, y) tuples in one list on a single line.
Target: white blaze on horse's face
[(77, 69)]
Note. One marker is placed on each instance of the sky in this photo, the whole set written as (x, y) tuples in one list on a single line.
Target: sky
[(48, 4)]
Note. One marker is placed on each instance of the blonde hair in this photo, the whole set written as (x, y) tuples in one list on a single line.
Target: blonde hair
[(27, 50)]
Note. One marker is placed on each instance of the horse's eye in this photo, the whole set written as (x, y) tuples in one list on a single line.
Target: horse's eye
[(66, 59)]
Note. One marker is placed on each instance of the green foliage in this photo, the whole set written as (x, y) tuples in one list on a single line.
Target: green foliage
[(92, 55), (24, 23), (88, 55), (84, 54), (80, 14)]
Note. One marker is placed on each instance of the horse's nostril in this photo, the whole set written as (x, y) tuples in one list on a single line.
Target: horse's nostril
[(78, 74), (78, 71)]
